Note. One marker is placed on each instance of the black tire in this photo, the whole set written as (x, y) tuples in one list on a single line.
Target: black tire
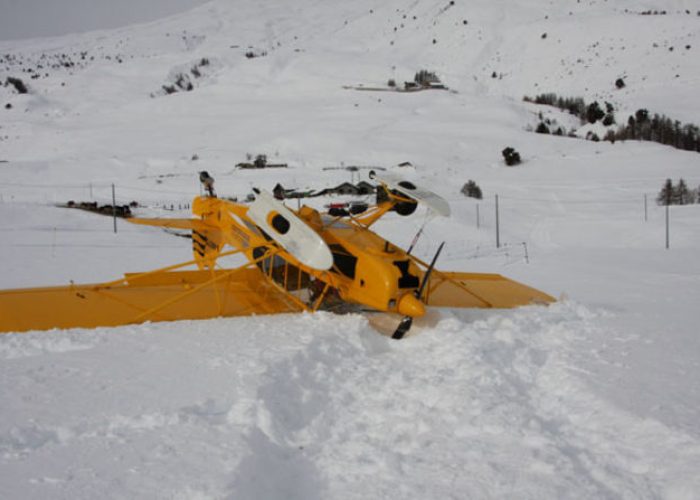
[(405, 208)]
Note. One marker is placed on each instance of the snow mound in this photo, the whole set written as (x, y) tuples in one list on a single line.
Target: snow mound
[(320, 406)]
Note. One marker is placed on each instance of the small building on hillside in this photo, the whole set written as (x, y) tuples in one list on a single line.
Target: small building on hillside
[(346, 188), (364, 187)]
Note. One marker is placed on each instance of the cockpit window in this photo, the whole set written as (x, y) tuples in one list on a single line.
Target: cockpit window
[(343, 260), (335, 222), (406, 280)]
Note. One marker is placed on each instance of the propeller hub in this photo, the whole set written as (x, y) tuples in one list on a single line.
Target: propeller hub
[(409, 305)]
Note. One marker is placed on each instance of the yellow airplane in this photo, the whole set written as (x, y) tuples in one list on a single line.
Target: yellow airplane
[(295, 260)]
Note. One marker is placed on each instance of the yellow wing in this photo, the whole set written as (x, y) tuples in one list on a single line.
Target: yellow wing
[(193, 224), (159, 296), (454, 289)]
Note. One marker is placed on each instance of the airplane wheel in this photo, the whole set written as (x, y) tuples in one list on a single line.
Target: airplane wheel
[(405, 208)]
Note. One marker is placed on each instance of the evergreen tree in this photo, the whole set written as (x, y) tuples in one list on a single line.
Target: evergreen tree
[(692, 196), (641, 115), (681, 194), (18, 84), (511, 156), (665, 196), (542, 128), (631, 130), (594, 113), (639, 126), (472, 190), (425, 77), (691, 134), (260, 161)]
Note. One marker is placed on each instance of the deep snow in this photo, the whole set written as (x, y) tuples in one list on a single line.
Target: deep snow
[(479, 405), (596, 396)]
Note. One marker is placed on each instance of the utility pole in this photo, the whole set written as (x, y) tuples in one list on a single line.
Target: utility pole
[(114, 209), (667, 229), (498, 235), (645, 208), (478, 222)]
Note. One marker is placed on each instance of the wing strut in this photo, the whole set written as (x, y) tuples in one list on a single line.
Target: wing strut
[(407, 321)]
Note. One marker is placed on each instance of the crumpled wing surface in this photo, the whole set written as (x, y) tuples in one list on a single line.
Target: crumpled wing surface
[(159, 297)]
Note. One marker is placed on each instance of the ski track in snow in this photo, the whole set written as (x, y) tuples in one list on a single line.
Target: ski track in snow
[(478, 406)]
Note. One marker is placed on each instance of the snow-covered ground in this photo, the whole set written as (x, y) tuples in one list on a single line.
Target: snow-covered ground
[(597, 396)]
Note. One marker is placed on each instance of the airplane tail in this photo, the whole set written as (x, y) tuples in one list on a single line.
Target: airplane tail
[(207, 240)]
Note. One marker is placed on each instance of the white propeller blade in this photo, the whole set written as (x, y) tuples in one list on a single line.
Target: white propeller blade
[(283, 226), (433, 201)]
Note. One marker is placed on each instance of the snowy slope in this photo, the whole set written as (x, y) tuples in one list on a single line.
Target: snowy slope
[(37, 18), (594, 397)]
